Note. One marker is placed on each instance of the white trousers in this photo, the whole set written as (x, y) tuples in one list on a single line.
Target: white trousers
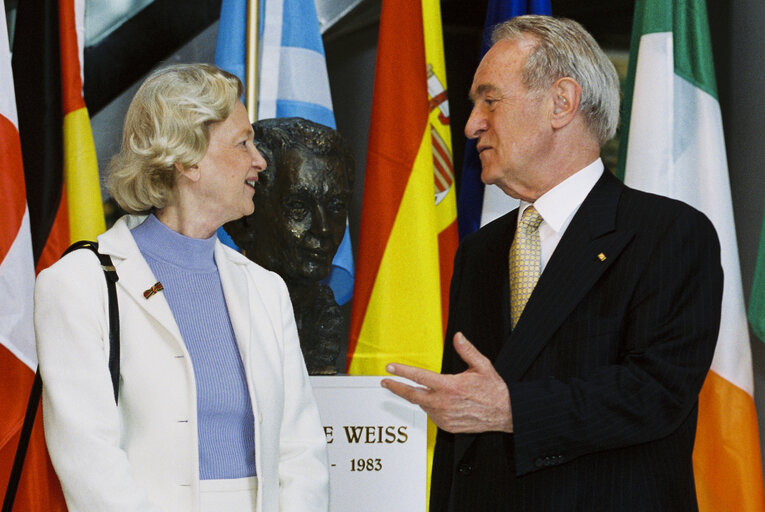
[(231, 495)]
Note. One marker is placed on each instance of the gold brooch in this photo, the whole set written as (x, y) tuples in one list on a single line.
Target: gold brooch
[(156, 288)]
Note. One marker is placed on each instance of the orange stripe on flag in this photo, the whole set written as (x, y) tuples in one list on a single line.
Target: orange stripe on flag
[(726, 457)]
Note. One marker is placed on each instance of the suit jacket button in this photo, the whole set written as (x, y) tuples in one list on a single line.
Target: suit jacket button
[(465, 469)]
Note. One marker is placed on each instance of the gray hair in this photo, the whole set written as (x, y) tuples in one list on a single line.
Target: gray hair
[(565, 49), (168, 123)]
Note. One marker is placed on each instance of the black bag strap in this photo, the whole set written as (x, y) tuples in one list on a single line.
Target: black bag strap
[(110, 274), (111, 277)]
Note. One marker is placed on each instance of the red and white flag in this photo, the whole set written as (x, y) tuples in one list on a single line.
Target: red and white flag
[(39, 489)]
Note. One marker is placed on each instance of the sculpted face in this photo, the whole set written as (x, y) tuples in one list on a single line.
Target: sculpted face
[(300, 214), (310, 212), (299, 221)]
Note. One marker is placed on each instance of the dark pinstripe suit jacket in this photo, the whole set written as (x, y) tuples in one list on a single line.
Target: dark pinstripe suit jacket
[(604, 367)]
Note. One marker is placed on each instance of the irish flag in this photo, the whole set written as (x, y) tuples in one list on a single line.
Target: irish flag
[(408, 233), (672, 144)]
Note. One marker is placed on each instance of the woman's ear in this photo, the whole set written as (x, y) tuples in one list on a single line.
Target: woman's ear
[(191, 173), (567, 96)]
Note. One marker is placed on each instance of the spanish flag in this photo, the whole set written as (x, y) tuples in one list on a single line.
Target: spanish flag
[(408, 233)]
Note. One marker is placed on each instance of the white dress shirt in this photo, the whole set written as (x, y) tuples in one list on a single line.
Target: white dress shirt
[(558, 206)]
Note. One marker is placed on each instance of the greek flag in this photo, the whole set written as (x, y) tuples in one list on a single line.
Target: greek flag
[(293, 83)]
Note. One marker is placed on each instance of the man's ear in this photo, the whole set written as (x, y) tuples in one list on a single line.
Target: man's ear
[(191, 173), (567, 94)]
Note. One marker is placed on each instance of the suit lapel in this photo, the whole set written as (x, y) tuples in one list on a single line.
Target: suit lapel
[(494, 267), (247, 307), (135, 276), (569, 275)]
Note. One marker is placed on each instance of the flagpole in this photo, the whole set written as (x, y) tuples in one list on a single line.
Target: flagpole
[(251, 94)]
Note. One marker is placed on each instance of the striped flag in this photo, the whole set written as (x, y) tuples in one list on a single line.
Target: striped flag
[(672, 144), (293, 82), (408, 233), (757, 299), (60, 165), (479, 204), (39, 489)]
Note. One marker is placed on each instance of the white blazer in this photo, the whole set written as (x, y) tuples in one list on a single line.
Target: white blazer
[(143, 454)]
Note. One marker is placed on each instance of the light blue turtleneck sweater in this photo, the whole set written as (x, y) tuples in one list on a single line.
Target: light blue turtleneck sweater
[(187, 270)]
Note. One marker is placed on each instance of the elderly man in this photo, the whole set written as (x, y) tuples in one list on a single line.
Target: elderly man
[(592, 311)]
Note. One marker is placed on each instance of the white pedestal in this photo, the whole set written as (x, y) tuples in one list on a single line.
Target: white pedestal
[(377, 446)]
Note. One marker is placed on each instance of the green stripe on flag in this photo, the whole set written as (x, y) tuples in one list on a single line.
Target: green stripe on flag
[(757, 299), (653, 16), (693, 46), (692, 52)]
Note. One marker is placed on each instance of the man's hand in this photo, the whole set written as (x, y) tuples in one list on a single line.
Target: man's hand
[(476, 400)]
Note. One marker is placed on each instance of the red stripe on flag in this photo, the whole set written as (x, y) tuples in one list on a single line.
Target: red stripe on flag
[(71, 79), (14, 199), (39, 488), (444, 152), (58, 237), (399, 118)]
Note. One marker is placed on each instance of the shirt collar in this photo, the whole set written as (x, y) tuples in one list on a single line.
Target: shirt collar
[(557, 205)]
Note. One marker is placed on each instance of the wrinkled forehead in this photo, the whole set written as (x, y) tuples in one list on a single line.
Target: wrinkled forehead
[(503, 62)]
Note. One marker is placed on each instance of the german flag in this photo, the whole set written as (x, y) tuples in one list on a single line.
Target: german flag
[(408, 233), (60, 166)]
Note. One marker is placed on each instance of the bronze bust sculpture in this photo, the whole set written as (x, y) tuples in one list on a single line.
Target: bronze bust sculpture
[(301, 205)]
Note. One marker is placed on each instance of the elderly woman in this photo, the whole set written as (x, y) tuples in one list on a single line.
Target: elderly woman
[(215, 411)]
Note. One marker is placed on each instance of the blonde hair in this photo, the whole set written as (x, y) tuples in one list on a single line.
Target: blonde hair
[(166, 124), (565, 49)]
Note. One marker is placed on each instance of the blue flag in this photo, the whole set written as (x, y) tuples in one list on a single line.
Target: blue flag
[(293, 83), (471, 207)]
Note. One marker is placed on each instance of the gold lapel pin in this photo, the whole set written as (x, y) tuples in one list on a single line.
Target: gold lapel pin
[(155, 288), (602, 257)]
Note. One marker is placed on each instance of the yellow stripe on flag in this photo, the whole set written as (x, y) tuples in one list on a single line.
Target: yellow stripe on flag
[(403, 319), (83, 189), (726, 456)]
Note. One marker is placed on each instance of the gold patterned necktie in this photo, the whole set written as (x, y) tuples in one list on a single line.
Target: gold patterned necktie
[(524, 260)]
